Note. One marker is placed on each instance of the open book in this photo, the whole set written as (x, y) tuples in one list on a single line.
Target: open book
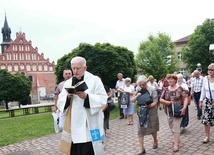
[(80, 86)]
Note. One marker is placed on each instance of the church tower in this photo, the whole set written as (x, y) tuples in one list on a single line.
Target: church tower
[(6, 36)]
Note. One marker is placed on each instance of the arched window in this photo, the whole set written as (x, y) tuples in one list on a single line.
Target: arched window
[(28, 67), (34, 56), (45, 68), (22, 66), (9, 68), (40, 67), (2, 66), (16, 67), (34, 67), (23, 56), (31, 78), (28, 56)]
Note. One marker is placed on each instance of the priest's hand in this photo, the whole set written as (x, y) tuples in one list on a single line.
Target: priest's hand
[(81, 94), (70, 95)]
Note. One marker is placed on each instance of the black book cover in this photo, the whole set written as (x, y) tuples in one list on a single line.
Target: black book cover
[(80, 86)]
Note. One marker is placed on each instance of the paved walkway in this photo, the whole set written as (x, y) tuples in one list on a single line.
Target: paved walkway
[(122, 139)]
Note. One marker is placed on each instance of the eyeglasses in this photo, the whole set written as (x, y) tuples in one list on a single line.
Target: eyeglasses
[(210, 69)]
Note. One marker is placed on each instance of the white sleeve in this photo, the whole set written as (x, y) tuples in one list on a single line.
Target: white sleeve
[(203, 91)]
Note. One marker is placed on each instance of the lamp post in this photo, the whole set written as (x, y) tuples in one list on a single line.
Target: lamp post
[(199, 67)]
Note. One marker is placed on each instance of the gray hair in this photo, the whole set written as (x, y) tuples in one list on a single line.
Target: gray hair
[(179, 75), (79, 58), (211, 65), (119, 74), (142, 78)]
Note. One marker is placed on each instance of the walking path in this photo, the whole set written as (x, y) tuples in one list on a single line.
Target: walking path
[(122, 139)]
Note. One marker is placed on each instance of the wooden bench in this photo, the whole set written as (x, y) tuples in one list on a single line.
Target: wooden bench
[(28, 108)]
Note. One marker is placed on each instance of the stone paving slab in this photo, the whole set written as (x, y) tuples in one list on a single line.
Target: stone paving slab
[(122, 139)]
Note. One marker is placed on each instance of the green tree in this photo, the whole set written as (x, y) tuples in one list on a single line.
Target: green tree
[(197, 49), (157, 56), (104, 60), (13, 87)]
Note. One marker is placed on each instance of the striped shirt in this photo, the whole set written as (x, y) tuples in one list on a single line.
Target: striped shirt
[(197, 84)]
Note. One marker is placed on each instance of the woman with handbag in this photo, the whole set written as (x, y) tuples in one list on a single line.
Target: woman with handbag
[(207, 92), (152, 121), (176, 102), (129, 111)]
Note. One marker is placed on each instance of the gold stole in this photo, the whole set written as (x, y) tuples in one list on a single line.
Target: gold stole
[(65, 145)]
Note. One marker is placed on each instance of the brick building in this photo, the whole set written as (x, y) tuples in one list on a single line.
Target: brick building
[(20, 56), (180, 43)]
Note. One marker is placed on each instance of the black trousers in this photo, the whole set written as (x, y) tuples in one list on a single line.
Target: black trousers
[(121, 111), (197, 98), (82, 149)]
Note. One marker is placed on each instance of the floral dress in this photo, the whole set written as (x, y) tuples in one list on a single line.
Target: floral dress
[(153, 120), (177, 96), (208, 118)]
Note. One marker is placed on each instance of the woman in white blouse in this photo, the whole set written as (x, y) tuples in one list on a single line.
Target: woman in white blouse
[(208, 94), (129, 111)]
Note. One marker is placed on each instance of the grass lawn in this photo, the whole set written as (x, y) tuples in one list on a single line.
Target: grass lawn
[(21, 128), (26, 127)]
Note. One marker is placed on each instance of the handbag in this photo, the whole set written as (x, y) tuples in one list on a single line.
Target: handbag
[(111, 105), (145, 98), (143, 116), (177, 110), (124, 99), (56, 121)]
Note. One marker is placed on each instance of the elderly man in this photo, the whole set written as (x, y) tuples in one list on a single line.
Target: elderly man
[(120, 84), (196, 87), (86, 111)]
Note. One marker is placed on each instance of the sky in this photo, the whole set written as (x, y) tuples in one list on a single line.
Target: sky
[(56, 27)]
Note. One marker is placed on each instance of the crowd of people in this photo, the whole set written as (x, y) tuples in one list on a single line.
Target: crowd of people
[(88, 114), (171, 92)]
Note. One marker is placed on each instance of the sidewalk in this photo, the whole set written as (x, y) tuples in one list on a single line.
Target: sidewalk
[(122, 139)]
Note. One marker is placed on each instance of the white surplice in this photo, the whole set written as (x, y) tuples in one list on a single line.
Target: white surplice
[(83, 119)]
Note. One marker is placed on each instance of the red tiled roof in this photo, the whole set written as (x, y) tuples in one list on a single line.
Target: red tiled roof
[(40, 80), (183, 40)]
